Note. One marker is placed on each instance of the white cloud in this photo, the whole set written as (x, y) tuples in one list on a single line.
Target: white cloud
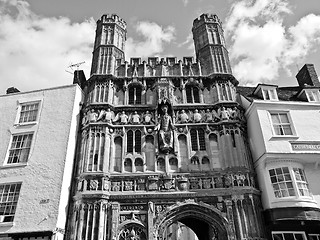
[(35, 50), (153, 39), (185, 2), (188, 42), (260, 43)]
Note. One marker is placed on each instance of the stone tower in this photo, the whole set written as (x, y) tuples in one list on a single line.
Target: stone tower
[(109, 44), (163, 150), (210, 45)]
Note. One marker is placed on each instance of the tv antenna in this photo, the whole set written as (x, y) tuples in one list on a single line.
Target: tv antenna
[(72, 65)]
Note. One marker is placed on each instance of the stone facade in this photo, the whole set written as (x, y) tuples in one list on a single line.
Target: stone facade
[(163, 143)]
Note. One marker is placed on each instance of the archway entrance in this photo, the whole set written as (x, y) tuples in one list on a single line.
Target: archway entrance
[(193, 222), (190, 229)]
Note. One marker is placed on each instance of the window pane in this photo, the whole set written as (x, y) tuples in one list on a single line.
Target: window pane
[(20, 148), (284, 118), (9, 194), (28, 112)]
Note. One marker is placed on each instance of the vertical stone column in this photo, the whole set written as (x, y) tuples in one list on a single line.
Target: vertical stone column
[(150, 220), (115, 208), (230, 219)]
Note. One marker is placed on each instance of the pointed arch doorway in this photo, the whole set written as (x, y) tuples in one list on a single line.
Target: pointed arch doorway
[(193, 222)]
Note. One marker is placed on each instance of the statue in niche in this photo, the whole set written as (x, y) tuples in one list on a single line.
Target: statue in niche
[(123, 117), (134, 118), (105, 115), (92, 116), (196, 116), (165, 130), (147, 118), (208, 116), (183, 117), (223, 113)]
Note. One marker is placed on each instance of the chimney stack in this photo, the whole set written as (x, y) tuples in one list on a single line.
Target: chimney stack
[(308, 76)]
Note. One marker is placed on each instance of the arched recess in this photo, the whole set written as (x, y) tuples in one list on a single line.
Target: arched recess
[(207, 222), (132, 230)]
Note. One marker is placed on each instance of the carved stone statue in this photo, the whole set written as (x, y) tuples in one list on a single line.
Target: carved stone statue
[(92, 116), (183, 117), (197, 116), (109, 115), (123, 118), (135, 118), (165, 131), (223, 114), (147, 118)]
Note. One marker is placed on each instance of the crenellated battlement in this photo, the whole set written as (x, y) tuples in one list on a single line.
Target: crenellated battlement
[(155, 67), (206, 18), (113, 18)]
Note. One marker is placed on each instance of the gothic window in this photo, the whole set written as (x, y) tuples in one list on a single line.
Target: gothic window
[(225, 93), (192, 93), (195, 160), (197, 140), (205, 162), (132, 232), (130, 141), (117, 154), (161, 165), (101, 93), (135, 95), (149, 152), (96, 150), (138, 163), (173, 164), (137, 143), (134, 141), (127, 165)]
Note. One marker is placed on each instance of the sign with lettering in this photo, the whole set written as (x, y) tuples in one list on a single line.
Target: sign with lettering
[(305, 146)]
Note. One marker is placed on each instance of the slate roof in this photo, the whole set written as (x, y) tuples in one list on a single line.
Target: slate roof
[(284, 93)]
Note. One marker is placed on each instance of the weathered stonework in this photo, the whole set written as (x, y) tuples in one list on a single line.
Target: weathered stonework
[(164, 143)]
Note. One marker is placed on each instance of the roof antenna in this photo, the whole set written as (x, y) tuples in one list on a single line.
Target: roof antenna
[(71, 66)]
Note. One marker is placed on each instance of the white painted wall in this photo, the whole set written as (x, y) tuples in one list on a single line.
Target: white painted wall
[(47, 174), (270, 151)]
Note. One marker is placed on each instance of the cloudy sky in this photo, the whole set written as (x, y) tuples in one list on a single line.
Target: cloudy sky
[(268, 40)]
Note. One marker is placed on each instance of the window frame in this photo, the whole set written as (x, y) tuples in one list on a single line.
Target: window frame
[(288, 232), (290, 123), (269, 94), (315, 93), (9, 164), (14, 201), (134, 141), (22, 103), (294, 181), (193, 95), (198, 140), (135, 96)]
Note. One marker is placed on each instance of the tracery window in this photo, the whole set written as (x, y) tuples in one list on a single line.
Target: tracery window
[(225, 92), (132, 232), (197, 140), (192, 93), (135, 93), (93, 151), (134, 141)]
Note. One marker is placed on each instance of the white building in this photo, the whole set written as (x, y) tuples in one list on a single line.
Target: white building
[(38, 137), (284, 135)]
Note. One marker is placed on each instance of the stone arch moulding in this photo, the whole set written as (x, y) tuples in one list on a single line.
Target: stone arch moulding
[(132, 229), (200, 211)]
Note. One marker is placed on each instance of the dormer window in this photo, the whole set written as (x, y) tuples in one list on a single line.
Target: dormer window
[(310, 95), (269, 94), (266, 92), (313, 95)]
